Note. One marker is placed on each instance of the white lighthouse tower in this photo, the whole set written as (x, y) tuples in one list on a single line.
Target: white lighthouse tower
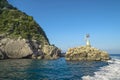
[(87, 40)]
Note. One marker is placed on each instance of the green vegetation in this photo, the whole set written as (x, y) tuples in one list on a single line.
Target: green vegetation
[(4, 5), (15, 23)]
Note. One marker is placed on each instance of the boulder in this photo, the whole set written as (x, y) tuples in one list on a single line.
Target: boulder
[(86, 53), (1, 55), (51, 52), (16, 48), (38, 55)]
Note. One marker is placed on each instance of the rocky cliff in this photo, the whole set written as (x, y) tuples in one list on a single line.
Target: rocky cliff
[(86, 53), (51, 52), (21, 36)]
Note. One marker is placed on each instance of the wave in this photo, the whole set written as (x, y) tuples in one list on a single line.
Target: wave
[(109, 72)]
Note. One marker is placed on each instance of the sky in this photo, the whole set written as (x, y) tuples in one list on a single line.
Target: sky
[(66, 22)]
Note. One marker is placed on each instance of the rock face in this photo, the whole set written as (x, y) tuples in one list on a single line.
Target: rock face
[(22, 48), (1, 55), (86, 53), (51, 52), (15, 48)]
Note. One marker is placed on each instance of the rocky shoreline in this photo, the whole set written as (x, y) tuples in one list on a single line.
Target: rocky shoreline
[(31, 49), (22, 37), (23, 48), (86, 53)]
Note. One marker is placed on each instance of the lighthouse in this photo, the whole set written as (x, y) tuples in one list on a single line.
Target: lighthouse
[(87, 40)]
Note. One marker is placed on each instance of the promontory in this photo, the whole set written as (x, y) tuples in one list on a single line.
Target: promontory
[(22, 37)]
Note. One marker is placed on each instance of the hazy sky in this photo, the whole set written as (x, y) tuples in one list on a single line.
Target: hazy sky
[(67, 21)]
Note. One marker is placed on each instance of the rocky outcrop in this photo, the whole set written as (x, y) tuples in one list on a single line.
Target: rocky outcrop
[(15, 48), (51, 52), (45, 52), (22, 48), (86, 53), (37, 50)]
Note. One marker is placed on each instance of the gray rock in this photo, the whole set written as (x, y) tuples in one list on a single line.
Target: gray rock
[(0, 44), (40, 46), (86, 53), (1, 55), (34, 56), (34, 44), (38, 55), (22, 48), (51, 52), (16, 48)]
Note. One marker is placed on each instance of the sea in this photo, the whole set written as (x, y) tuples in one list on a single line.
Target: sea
[(60, 69)]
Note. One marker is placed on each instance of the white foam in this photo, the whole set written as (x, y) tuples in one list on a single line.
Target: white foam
[(109, 72)]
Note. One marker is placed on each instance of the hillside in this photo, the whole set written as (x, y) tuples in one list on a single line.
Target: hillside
[(14, 24), (22, 37)]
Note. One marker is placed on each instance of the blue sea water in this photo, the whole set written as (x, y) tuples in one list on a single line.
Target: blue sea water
[(60, 69)]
